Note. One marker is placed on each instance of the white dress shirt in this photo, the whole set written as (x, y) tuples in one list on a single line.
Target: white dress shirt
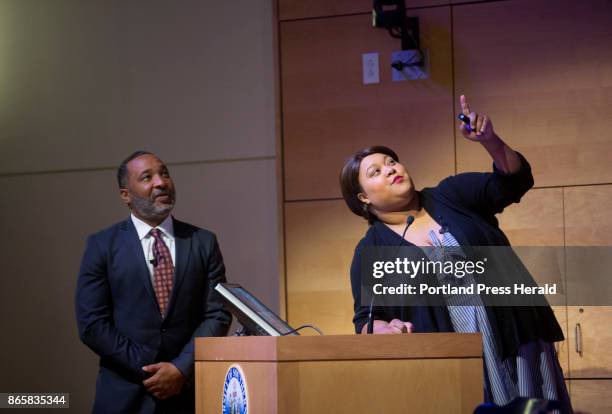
[(147, 240)]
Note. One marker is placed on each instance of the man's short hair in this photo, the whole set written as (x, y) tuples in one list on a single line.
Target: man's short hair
[(122, 172)]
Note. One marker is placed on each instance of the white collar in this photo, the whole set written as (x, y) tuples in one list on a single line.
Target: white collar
[(143, 229)]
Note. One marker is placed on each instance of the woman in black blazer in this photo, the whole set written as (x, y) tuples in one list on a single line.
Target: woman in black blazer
[(518, 354)]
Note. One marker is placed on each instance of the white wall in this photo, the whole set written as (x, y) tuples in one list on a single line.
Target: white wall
[(83, 83)]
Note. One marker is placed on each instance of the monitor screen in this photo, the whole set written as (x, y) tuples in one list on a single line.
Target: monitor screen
[(253, 315)]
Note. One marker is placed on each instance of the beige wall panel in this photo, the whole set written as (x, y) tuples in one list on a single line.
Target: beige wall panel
[(590, 333), (593, 206), (45, 222), (237, 201), (563, 348), (538, 221), (320, 240), (542, 70), (329, 310), (298, 9), (591, 396), (84, 83), (588, 215), (328, 114)]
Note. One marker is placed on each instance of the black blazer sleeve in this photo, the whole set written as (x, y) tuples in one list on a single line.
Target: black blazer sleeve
[(488, 194)]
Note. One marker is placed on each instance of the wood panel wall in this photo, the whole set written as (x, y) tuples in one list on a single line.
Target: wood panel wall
[(328, 115), (542, 70)]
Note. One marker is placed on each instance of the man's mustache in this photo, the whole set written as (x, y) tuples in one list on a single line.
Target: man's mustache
[(162, 193)]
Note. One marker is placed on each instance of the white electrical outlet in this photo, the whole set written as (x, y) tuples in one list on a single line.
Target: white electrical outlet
[(370, 68)]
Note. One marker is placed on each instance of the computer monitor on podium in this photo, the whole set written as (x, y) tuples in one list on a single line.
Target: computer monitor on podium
[(255, 317)]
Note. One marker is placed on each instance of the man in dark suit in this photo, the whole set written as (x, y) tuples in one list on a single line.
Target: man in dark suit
[(144, 291)]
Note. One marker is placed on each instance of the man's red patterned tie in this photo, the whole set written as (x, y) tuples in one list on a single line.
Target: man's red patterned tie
[(164, 271)]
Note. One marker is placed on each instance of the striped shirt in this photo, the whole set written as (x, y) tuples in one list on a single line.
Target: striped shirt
[(534, 372)]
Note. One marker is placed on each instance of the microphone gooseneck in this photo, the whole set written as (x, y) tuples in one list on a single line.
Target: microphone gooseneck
[(370, 330)]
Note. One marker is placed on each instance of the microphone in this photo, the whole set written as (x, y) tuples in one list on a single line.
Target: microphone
[(370, 330), (443, 226), (156, 255), (409, 221)]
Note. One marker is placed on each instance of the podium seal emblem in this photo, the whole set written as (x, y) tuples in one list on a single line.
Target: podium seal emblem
[(234, 391)]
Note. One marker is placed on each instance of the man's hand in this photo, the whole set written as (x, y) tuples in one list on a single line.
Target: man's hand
[(166, 380), (481, 127)]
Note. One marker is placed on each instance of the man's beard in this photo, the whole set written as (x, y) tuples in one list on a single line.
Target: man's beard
[(146, 208)]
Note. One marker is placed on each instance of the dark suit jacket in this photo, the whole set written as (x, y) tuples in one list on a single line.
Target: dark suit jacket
[(119, 319)]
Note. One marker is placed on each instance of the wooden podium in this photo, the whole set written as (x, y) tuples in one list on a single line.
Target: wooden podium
[(409, 373)]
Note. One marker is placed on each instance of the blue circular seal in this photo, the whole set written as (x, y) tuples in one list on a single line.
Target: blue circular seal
[(234, 392)]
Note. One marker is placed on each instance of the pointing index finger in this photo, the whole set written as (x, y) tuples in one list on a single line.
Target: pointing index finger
[(464, 105)]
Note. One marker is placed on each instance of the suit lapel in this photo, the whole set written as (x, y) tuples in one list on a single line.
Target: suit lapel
[(182, 241), (133, 247)]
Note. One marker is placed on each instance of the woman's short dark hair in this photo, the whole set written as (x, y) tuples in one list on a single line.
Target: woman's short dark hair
[(349, 180)]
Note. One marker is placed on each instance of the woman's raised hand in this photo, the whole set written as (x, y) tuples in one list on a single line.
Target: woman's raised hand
[(480, 128)]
